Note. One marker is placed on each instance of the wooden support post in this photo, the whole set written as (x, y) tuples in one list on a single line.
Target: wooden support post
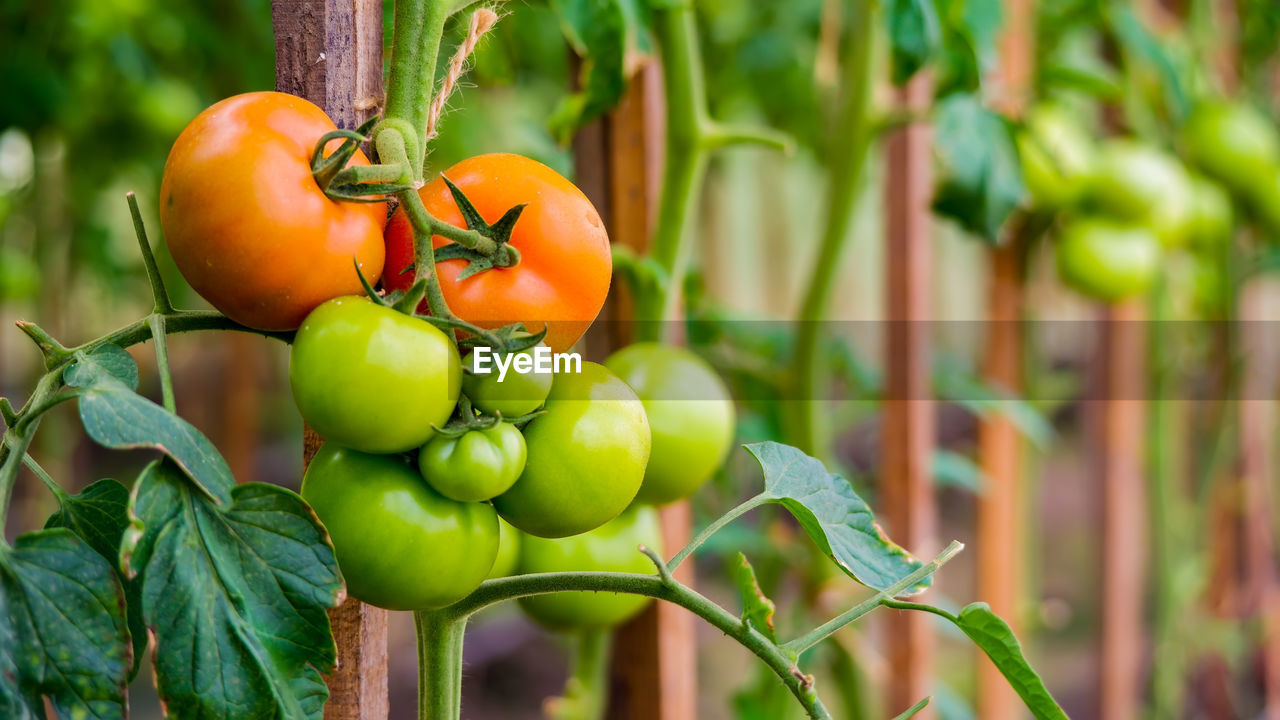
[(619, 159), (906, 481), (999, 531), (330, 52), (1121, 409)]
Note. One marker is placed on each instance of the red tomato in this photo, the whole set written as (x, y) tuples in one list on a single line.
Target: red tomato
[(247, 224), (563, 275)]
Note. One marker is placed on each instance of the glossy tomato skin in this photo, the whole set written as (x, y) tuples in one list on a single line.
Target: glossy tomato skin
[(508, 551), (1106, 259), (248, 226), (1233, 143), (1057, 155), (587, 454), (690, 413), (372, 379), (565, 267), (518, 394), (474, 466), (1144, 185), (400, 544), (612, 547)]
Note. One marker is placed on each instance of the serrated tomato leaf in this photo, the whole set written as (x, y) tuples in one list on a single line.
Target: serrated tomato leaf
[(914, 36), (62, 630), (609, 36), (981, 175), (757, 608), (99, 515), (833, 515), (993, 635), (117, 417), (235, 595)]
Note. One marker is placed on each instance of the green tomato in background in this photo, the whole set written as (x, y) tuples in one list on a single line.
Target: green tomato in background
[(612, 547), (400, 544), (691, 417), (508, 551), (476, 465), (1212, 219), (1107, 260), (1233, 143), (1144, 185), (372, 379), (517, 394), (587, 454), (1057, 155), (1264, 200)]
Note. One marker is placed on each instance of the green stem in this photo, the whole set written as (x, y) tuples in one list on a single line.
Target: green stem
[(714, 527), (424, 256), (853, 135), (159, 295), (827, 629), (663, 588), (45, 478), (586, 693), (156, 322), (440, 636), (419, 25), (17, 439)]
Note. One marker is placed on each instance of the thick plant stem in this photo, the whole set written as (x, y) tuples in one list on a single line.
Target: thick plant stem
[(852, 135), (439, 664), (685, 162), (17, 438), (419, 25), (586, 693)]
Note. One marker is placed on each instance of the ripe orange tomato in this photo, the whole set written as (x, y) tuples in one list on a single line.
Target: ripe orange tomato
[(247, 224), (563, 275)]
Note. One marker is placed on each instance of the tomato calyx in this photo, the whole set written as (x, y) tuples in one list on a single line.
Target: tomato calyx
[(346, 183), (466, 419), (503, 255)]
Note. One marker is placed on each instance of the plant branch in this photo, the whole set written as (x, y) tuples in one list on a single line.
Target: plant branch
[(714, 527), (884, 597), (440, 637), (156, 323), (586, 692), (419, 25), (159, 295)]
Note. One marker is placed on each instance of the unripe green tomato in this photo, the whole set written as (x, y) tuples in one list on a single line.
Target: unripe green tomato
[(1144, 185), (1264, 200), (400, 544), (508, 551), (691, 417), (612, 547), (517, 394), (1212, 220), (372, 379), (1107, 260), (1057, 155), (1233, 143), (476, 465), (587, 454)]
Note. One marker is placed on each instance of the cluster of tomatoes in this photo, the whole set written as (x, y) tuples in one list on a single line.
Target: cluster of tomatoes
[(1128, 202), (434, 474)]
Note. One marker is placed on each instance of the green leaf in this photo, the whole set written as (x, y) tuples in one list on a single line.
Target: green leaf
[(951, 469), (757, 608), (996, 639), (833, 515), (116, 417), (99, 515), (1139, 43), (118, 363), (62, 630), (607, 35), (914, 36), (236, 596), (981, 176)]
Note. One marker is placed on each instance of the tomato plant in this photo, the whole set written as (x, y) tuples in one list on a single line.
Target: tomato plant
[(248, 225), (1143, 185), (690, 414), (564, 270), (608, 548), (586, 460), (514, 395), (476, 465), (1107, 259), (1233, 143), (1057, 155), (400, 544), (372, 379)]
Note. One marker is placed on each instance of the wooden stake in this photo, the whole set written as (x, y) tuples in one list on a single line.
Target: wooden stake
[(330, 52), (999, 531), (1121, 421), (906, 482)]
